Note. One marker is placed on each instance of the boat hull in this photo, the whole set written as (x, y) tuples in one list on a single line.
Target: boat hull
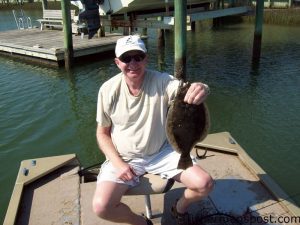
[(121, 7)]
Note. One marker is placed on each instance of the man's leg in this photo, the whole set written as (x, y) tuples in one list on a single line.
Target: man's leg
[(107, 205), (197, 181), (198, 185)]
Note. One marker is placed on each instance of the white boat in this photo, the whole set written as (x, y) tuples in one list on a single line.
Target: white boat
[(56, 190), (127, 6)]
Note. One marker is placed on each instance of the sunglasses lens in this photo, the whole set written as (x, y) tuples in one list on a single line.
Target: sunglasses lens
[(125, 59), (139, 57), (128, 58)]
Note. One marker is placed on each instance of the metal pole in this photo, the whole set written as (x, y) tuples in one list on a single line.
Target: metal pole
[(68, 41), (14, 13), (258, 31), (148, 206), (180, 39)]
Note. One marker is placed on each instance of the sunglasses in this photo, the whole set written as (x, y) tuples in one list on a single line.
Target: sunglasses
[(128, 58)]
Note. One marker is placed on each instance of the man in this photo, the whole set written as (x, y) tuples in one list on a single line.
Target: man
[(131, 115)]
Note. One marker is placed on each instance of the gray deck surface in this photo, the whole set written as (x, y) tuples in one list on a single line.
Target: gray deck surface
[(49, 44), (60, 198), (236, 192)]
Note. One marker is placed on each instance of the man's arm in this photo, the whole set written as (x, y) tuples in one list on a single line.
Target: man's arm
[(107, 147)]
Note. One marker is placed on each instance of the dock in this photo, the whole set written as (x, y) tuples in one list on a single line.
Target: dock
[(47, 46)]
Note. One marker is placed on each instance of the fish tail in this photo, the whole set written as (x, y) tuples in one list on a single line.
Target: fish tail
[(185, 162)]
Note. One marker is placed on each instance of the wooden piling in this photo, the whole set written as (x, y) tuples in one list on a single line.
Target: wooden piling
[(160, 35), (180, 39), (145, 30), (126, 30), (45, 4), (67, 29), (258, 31)]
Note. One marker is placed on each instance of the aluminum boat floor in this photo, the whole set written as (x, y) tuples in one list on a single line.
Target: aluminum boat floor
[(52, 192), (237, 192)]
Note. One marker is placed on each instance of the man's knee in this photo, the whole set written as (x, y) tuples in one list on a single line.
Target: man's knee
[(209, 183), (101, 209), (204, 183)]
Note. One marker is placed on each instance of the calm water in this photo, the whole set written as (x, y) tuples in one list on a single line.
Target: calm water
[(45, 112)]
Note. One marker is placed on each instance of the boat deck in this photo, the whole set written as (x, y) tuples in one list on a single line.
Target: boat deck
[(237, 192), (47, 46), (242, 189)]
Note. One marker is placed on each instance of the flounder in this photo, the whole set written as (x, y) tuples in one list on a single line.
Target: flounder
[(186, 125)]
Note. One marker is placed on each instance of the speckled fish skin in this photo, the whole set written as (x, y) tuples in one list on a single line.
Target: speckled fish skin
[(186, 125)]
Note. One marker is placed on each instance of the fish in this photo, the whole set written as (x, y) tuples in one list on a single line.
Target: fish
[(186, 124)]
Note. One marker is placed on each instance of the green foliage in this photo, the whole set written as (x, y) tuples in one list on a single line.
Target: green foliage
[(279, 16)]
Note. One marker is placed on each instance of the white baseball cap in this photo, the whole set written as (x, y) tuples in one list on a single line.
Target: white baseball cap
[(129, 43)]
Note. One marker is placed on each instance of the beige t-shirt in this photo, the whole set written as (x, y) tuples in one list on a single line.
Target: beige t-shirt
[(137, 122)]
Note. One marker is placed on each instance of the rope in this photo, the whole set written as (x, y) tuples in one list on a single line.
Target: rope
[(82, 171)]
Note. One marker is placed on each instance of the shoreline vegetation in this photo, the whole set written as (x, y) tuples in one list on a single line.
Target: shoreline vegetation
[(288, 16)]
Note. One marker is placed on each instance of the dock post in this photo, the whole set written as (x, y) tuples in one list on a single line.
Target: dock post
[(258, 31), (67, 29), (126, 30), (160, 35), (193, 25), (145, 30), (45, 4), (180, 39)]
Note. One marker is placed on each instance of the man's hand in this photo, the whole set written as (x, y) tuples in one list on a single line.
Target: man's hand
[(105, 143), (126, 172), (196, 94)]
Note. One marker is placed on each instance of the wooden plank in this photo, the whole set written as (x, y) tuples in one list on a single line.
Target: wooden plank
[(137, 23), (219, 13), (29, 53), (48, 44)]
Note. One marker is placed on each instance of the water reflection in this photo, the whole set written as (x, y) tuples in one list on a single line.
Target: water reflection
[(82, 102)]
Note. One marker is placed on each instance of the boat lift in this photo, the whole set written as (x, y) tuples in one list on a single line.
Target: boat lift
[(138, 20)]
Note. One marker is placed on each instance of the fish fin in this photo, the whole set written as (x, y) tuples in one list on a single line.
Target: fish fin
[(184, 162)]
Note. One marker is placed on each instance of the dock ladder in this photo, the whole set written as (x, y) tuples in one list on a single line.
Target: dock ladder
[(22, 21)]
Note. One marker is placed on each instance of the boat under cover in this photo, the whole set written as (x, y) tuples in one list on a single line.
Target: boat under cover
[(128, 6)]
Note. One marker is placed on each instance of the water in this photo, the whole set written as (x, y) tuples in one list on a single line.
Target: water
[(45, 111)]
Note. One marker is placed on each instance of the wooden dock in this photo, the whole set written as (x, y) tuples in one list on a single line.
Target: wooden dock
[(47, 46)]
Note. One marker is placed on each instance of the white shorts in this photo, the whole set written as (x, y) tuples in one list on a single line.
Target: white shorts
[(163, 163)]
